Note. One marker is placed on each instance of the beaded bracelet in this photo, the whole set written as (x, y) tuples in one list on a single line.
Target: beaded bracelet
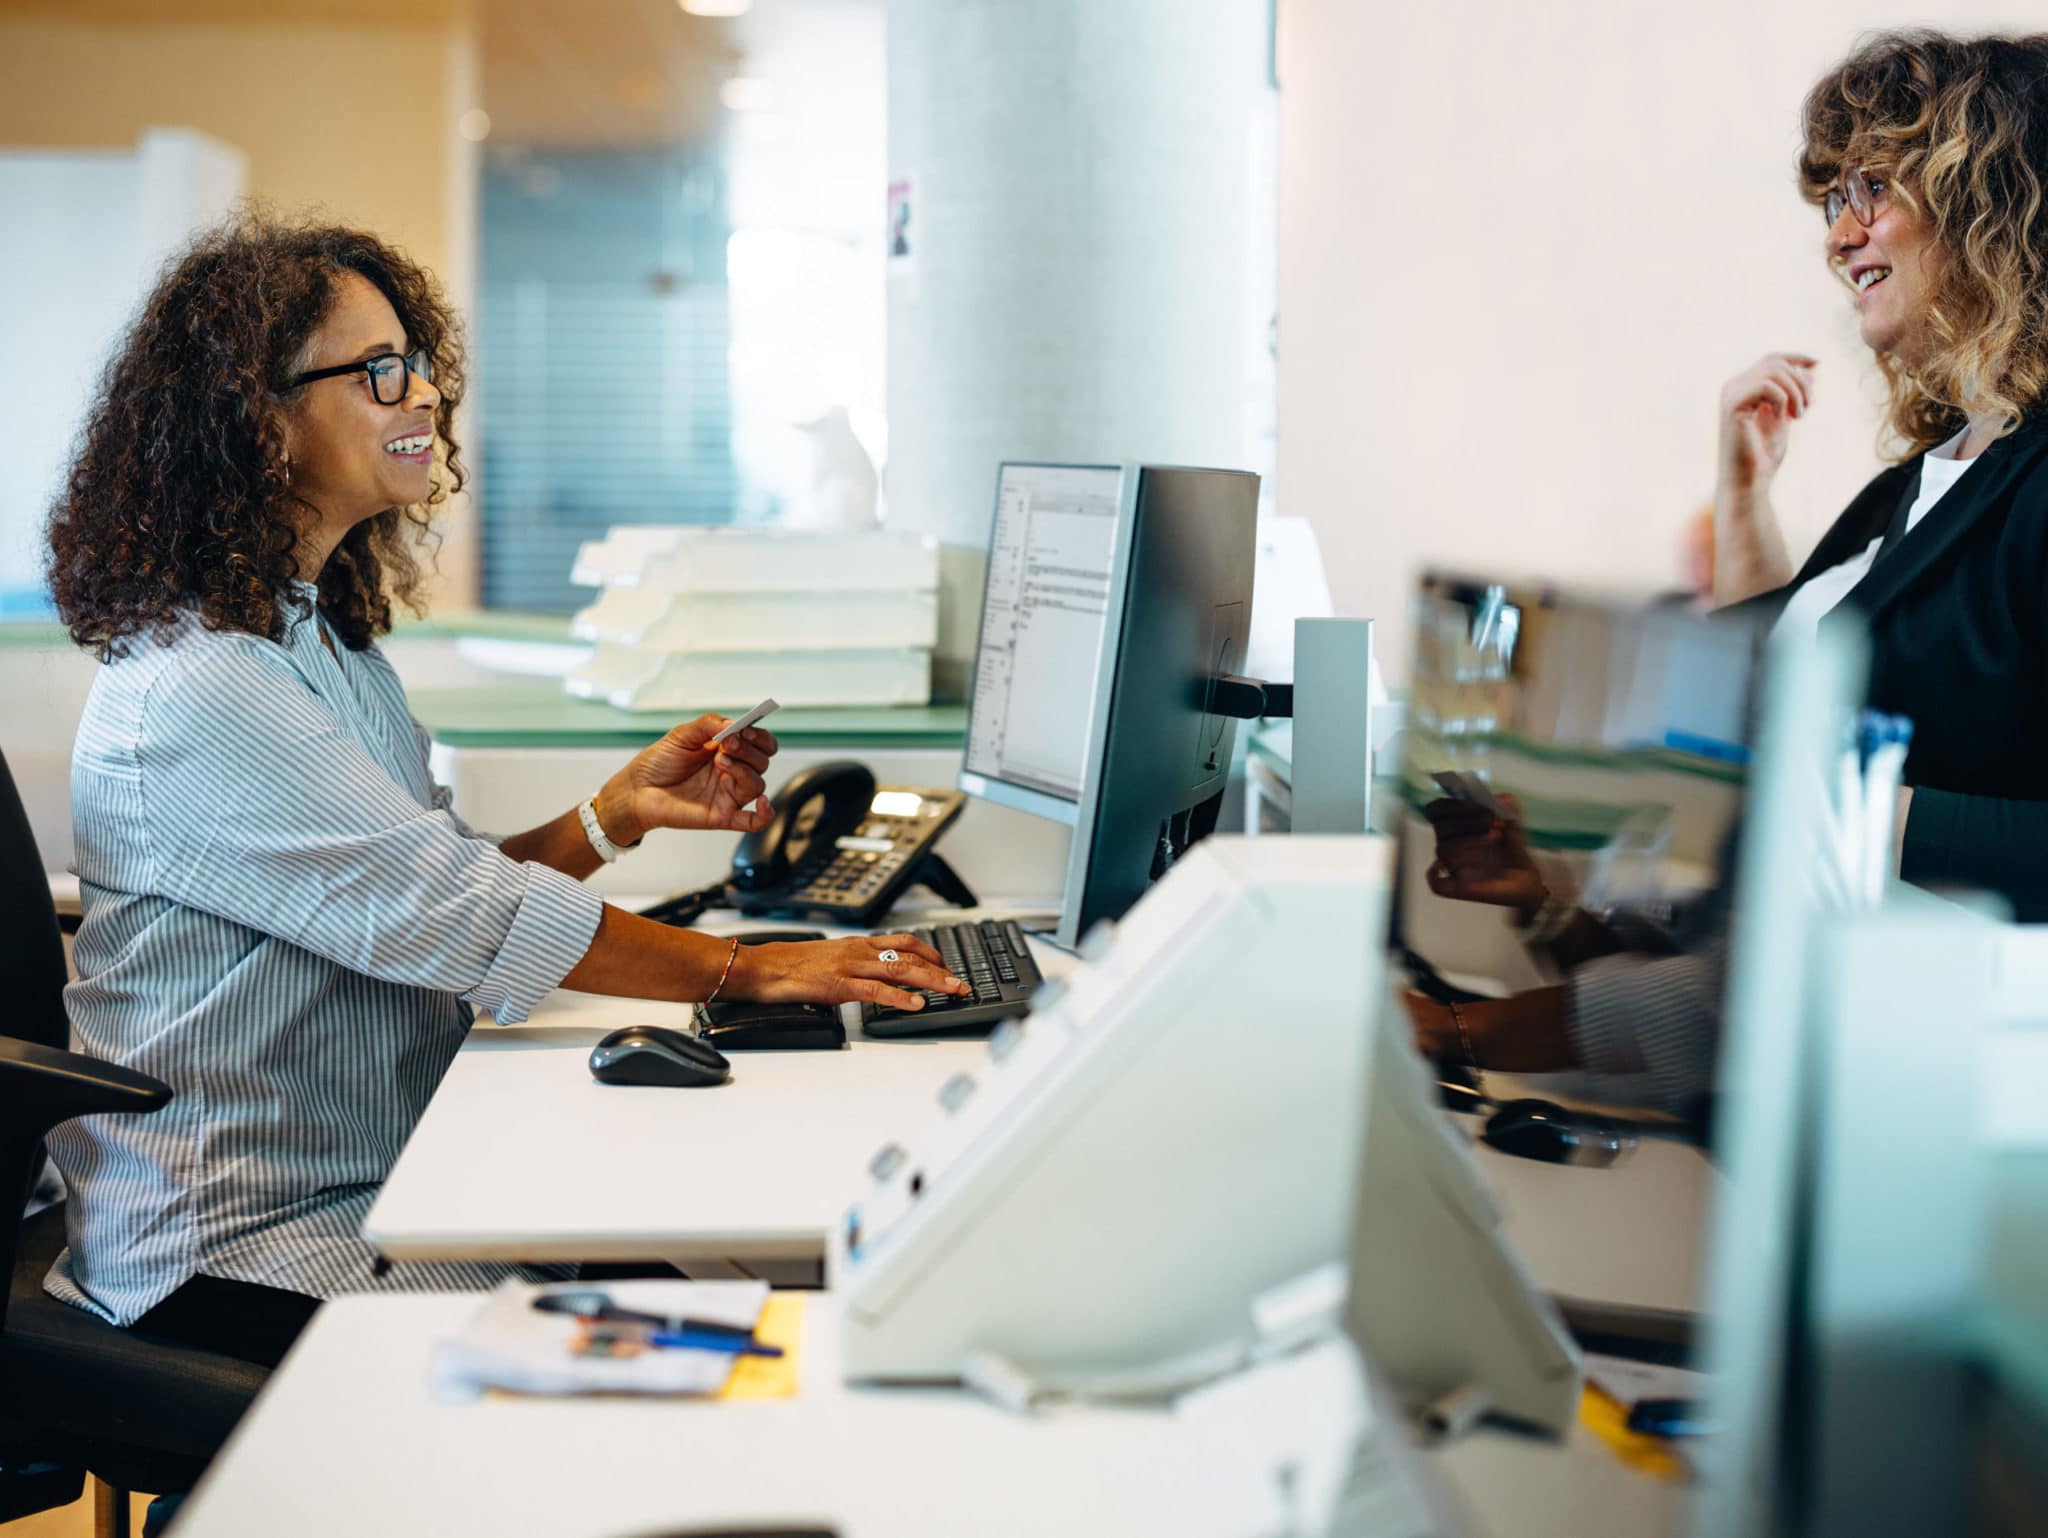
[(729, 956), (1465, 1041)]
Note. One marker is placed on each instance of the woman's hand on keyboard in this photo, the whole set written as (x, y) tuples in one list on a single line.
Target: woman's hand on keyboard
[(836, 971)]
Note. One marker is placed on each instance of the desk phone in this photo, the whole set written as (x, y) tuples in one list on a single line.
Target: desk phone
[(842, 849)]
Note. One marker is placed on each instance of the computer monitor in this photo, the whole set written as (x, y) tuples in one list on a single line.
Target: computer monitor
[(1115, 595), (1051, 548), (1158, 754)]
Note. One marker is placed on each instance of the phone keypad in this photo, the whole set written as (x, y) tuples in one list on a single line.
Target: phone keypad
[(855, 875)]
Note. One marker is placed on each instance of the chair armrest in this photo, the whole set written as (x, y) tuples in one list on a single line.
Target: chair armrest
[(41, 1086)]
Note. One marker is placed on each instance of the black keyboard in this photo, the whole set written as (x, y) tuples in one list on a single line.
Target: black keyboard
[(991, 955)]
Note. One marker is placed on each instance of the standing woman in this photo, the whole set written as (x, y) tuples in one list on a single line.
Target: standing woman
[(1928, 156), (283, 919)]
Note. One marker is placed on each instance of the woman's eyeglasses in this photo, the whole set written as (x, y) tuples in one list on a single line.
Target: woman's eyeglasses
[(1863, 193), (387, 371)]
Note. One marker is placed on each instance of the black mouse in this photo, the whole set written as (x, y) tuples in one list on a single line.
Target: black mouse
[(1537, 1129), (653, 1054)]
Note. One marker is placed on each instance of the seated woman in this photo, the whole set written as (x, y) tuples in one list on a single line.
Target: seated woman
[(283, 919), (1928, 155)]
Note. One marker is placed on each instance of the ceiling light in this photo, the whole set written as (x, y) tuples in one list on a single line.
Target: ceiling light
[(715, 7), (474, 125), (746, 93)]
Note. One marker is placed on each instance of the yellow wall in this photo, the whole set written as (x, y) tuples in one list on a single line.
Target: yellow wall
[(356, 121)]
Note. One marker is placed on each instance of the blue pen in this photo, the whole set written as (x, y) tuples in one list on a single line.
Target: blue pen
[(1670, 1418), (701, 1340)]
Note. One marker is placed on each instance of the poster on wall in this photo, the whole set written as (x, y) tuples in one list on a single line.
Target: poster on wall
[(902, 233)]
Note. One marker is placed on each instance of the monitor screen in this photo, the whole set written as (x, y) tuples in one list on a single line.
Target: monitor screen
[(1049, 559)]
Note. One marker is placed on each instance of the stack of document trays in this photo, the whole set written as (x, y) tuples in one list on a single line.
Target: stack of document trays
[(697, 618)]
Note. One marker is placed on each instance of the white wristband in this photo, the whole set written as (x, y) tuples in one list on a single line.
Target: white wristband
[(607, 851)]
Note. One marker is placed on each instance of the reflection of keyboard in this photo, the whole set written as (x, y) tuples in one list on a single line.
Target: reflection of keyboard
[(993, 957)]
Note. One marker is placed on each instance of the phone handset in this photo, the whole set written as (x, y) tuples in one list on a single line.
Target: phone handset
[(820, 805), (842, 848)]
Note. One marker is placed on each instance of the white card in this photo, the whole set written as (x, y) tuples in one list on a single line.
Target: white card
[(767, 707), (1461, 786)]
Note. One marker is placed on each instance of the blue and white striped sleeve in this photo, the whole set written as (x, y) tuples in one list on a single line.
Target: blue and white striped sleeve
[(444, 798), (262, 807), (1659, 1015)]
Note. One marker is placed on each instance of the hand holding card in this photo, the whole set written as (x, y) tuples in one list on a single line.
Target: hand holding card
[(767, 707)]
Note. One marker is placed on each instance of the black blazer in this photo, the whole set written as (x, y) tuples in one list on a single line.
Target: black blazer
[(1958, 613)]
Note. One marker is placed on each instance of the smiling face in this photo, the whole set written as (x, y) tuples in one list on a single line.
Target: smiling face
[(352, 457), (1894, 265)]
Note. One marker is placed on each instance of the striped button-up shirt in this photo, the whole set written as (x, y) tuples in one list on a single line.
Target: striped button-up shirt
[(285, 923)]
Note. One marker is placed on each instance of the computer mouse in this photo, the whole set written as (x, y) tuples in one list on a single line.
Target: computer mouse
[(653, 1054), (1537, 1129)]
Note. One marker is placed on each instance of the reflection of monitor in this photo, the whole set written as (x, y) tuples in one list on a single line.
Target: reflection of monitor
[(1051, 547), (1620, 732), (1617, 734), (1114, 596), (1157, 754)]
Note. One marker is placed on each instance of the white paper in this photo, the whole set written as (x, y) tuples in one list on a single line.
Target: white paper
[(1628, 1382), (509, 1344)]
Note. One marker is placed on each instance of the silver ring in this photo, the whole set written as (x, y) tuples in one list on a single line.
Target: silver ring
[(890, 956)]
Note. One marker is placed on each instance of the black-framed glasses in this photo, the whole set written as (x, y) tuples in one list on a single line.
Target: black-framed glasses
[(1863, 192), (387, 371)]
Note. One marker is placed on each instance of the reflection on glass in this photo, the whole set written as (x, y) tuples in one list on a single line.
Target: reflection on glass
[(1572, 782)]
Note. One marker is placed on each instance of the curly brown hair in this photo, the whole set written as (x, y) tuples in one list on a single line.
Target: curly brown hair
[(180, 499), (1960, 127)]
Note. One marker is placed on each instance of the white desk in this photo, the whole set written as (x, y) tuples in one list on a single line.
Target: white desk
[(347, 1440), (1634, 1235), (523, 1156)]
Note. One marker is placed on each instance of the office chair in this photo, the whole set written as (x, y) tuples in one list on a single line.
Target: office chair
[(78, 1395)]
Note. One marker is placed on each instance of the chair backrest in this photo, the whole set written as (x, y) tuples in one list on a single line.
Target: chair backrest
[(32, 971)]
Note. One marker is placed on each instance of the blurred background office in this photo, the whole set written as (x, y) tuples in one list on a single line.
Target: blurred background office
[(1461, 288)]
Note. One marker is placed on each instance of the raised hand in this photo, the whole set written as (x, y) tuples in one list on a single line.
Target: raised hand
[(687, 781), (1758, 407), (1483, 858)]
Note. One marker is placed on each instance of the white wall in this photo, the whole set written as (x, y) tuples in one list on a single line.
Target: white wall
[(86, 231), (1520, 249), (1081, 241), (804, 191)]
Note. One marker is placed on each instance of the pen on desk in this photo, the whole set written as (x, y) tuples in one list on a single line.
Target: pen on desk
[(699, 1340), (1669, 1418), (588, 1303)]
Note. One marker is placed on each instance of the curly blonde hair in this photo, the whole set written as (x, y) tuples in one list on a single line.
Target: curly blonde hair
[(1959, 126), (178, 498)]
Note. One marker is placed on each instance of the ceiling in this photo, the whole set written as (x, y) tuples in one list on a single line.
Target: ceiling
[(564, 73), (601, 73)]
